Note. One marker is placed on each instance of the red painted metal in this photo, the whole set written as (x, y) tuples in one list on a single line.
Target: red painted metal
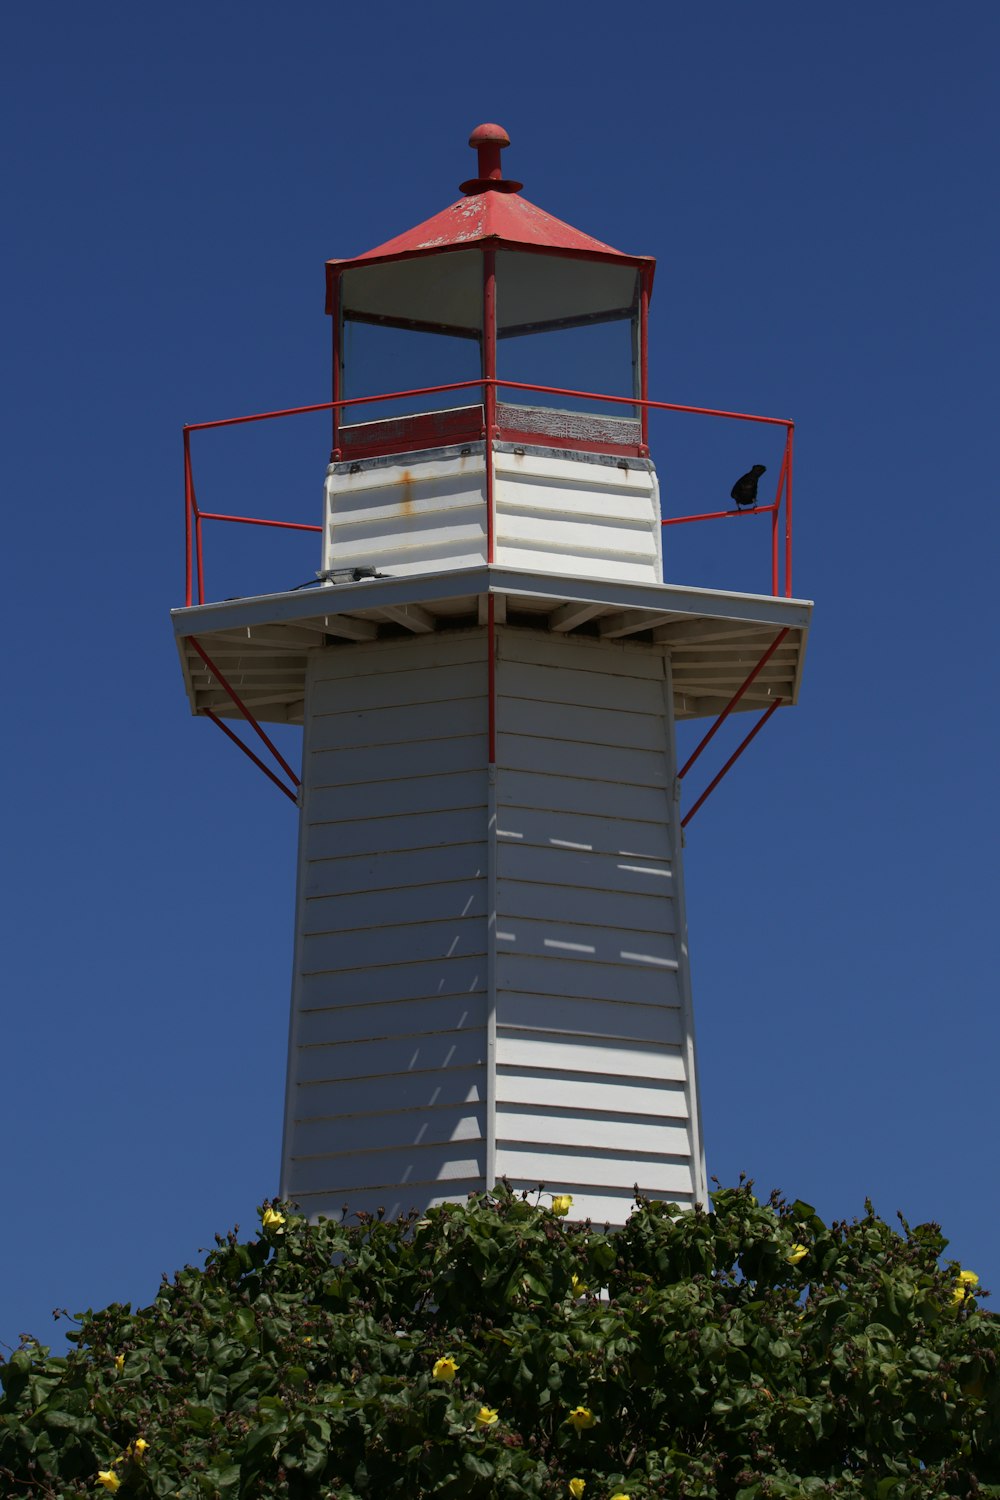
[(208, 714), (188, 506), (645, 288), (490, 388), (747, 683), (731, 761), (211, 515), (491, 675), (337, 345), (490, 384), (788, 514), (718, 515), (488, 141), (210, 664)]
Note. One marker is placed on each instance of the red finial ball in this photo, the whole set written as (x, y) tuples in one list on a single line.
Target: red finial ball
[(489, 141)]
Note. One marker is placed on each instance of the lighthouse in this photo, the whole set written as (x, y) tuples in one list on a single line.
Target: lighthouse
[(491, 977)]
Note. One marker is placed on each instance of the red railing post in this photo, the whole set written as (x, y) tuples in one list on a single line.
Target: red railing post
[(490, 388), (747, 682), (788, 512), (188, 501)]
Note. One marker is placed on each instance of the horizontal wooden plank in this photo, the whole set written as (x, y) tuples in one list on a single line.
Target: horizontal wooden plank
[(400, 1130), (575, 868), (365, 1096), (582, 725), (396, 869), (396, 1170), (421, 684), (581, 1130), (614, 507), (581, 906), (583, 539), (586, 688), (378, 763), (458, 975), (397, 503), (402, 944), (606, 1206), (394, 1202), (585, 1018), (566, 1171), (604, 763), (567, 793), (608, 567), (393, 1056), (430, 534), (440, 902), (370, 1022), (611, 1055), (586, 944), (376, 658), (580, 653), (574, 978), (577, 1092), (386, 834), (398, 725), (385, 799), (590, 832)]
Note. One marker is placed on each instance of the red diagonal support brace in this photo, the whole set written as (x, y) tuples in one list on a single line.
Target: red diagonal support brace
[(731, 761), (747, 682), (255, 758), (210, 664)]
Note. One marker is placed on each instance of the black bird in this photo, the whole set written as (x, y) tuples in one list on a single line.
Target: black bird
[(744, 491)]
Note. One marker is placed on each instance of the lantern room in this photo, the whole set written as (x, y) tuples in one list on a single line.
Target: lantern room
[(517, 351)]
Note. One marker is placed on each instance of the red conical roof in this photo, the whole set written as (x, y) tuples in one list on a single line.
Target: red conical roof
[(492, 210)]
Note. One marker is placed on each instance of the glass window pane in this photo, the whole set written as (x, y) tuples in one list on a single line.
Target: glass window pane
[(379, 358)]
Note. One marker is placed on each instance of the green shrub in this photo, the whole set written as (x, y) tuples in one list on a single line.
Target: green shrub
[(495, 1348)]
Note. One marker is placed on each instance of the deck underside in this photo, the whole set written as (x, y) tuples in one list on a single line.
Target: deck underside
[(714, 639)]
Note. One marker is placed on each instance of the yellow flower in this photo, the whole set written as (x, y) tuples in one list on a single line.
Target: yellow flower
[(109, 1479), (445, 1369), (271, 1219), (486, 1416), (577, 1287), (620, 1496), (797, 1253), (576, 1488), (581, 1417), (119, 1362), (561, 1204), (964, 1284), (138, 1448)]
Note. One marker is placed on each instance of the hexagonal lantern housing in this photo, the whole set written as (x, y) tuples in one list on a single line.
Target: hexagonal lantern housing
[(490, 302)]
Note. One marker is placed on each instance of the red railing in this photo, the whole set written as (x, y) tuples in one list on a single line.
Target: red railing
[(194, 516)]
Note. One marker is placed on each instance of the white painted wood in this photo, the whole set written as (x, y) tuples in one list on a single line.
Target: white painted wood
[(575, 1092), (563, 1170), (427, 511), (491, 965), (583, 1128)]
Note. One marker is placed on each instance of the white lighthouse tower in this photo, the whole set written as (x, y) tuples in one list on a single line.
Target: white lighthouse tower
[(491, 973)]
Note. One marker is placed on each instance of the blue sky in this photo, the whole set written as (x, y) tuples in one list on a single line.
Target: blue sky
[(817, 184)]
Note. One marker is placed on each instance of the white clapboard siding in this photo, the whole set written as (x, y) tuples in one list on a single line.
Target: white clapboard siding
[(591, 1088), (387, 1073), (491, 967), (567, 515)]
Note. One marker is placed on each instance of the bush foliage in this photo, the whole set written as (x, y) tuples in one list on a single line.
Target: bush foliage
[(495, 1348)]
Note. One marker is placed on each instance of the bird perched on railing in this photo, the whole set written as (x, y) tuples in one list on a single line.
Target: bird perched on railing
[(744, 491)]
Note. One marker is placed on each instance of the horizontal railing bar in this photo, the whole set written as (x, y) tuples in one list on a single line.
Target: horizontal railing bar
[(465, 385), (209, 515), (719, 515)]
